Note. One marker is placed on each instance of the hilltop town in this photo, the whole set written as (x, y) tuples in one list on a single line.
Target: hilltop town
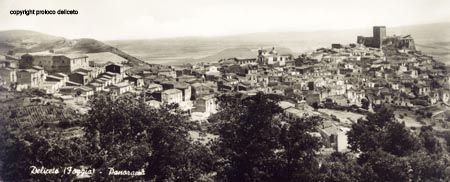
[(341, 83)]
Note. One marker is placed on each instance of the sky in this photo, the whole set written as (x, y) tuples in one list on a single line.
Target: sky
[(149, 19)]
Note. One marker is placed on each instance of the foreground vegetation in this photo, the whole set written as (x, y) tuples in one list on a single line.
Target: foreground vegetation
[(256, 142)]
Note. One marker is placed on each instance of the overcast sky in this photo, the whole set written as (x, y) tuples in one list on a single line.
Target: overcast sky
[(133, 19)]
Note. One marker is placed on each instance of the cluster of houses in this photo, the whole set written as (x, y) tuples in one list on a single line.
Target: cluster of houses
[(77, 77), (66, 75), (377, 69)]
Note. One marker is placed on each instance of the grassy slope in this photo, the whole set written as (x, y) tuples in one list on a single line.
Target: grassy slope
[(29, 41)]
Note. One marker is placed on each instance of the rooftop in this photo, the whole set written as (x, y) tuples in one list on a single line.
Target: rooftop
[(172, 91), (122, 84), (74, 56), (154, 85)]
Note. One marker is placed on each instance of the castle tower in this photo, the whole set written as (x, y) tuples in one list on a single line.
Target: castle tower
[(379, 33)]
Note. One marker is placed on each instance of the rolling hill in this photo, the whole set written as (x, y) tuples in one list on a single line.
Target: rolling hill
[(23, 41), (433, 39), (192, 49), (29, 41)]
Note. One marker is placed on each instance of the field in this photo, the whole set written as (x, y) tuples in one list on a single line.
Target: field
[(440, 50), (433, 39), (178, 51)]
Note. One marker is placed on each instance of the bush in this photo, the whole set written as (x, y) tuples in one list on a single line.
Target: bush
[(315, 105)]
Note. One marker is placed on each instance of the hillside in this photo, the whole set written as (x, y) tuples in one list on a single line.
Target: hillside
[(433, 39), (192, 49), (23, 41), (29, 41)]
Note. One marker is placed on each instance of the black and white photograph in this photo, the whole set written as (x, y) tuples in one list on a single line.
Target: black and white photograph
[(225, 90)]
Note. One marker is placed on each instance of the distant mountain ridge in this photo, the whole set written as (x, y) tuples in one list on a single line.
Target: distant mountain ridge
[(30, 41), (433, 39), (24, 41)]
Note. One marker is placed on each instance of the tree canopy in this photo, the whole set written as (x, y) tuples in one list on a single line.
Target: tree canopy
[(258, 143)]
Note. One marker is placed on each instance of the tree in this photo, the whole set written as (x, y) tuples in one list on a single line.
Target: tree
[(340, 167), (399, 141), (247, 138), (382, 166), (299, 148), (429, 141), (390, 152), (381, 131), (258, 143), (122, 133), (24, 145), (128, 134), (34, 147), (364, 136), (429, 167)]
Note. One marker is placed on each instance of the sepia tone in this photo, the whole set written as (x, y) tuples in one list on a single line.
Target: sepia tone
[(314, 91)]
